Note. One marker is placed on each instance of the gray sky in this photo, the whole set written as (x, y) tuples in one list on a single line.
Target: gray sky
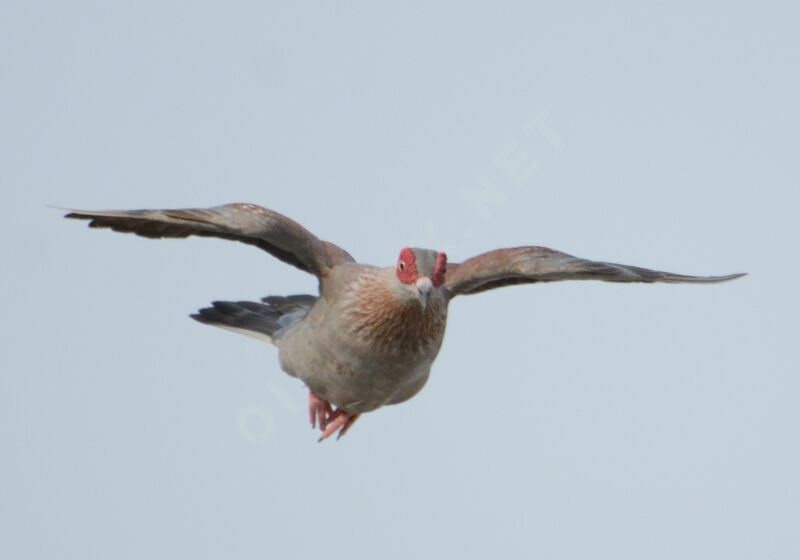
[(572, 420)]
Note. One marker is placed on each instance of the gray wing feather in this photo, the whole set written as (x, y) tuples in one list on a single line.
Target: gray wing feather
[(280, 236), (524, 265)]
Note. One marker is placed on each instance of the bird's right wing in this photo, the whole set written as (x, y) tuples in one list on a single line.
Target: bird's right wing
[(525, 265), (268, 230)]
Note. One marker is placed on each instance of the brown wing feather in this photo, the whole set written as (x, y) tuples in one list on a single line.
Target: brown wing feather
[(525, 265), (280, 236)]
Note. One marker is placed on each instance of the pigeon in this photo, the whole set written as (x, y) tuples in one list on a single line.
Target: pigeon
[(371, 335)]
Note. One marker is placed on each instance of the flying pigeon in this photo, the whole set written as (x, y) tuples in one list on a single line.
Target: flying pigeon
[(371, 335)]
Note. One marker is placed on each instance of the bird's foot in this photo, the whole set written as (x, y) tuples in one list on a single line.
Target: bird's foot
[(321, 413), (319, 410), (339, 420)]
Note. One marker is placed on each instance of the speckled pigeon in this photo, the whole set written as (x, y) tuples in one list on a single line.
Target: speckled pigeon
[(370, 336)]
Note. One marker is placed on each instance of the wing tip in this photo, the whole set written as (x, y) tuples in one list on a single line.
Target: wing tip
[(729, 277), (680, 279), (200, 317), (73, 214), (70, 212)]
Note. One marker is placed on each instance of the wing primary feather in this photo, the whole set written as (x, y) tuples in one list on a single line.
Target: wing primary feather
[(526, 265), (266, 229)]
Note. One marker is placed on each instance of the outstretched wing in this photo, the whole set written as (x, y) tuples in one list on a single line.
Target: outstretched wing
[(524, 265), (273, 232)]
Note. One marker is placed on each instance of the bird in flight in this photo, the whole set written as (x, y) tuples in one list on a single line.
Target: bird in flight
[(371, 335)]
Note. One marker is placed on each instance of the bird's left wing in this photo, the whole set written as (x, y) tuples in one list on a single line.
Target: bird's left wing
[(283, 238), (524, 265)]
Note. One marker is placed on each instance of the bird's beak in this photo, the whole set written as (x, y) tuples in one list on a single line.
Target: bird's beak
[(424, 287)]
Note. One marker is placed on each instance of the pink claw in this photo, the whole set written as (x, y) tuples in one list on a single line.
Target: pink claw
[(339, 420), (319, 410)]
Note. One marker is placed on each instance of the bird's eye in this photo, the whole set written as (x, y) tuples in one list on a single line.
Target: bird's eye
[(402, 266)]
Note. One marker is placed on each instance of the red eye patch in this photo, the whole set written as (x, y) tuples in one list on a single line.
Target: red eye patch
[(441, 268), (407, 266)]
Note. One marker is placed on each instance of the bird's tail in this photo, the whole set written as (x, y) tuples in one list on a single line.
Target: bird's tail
[(265, 321)]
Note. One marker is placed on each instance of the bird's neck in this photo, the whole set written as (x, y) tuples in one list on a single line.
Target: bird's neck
[(393, 325)]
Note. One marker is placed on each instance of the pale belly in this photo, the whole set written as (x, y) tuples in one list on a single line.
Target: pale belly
[(344, 377), (353, 373), (363, 348)]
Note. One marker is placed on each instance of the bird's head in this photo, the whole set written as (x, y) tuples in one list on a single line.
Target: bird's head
[(421, 274)]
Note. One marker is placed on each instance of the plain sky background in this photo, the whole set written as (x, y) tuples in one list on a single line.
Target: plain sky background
[(570, 420)]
